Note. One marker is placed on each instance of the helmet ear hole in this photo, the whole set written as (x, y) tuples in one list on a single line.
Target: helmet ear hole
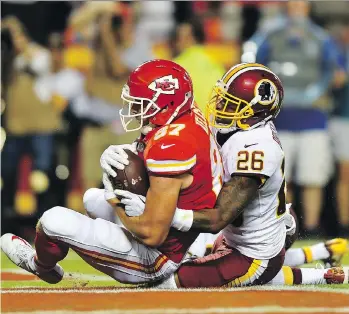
[(164, 109)]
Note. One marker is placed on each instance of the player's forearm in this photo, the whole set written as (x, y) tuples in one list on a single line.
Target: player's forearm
[(143, 228), (135, 224), (232, 200), (213, 220), (207, 220)]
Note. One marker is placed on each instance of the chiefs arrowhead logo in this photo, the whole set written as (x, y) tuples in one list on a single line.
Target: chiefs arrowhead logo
[(164, 85)]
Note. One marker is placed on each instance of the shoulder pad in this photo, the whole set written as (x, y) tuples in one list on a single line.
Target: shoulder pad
[(171, 154)]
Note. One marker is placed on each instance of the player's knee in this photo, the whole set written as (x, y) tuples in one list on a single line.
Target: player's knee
[(89, 200), (111, 236), (59, 221), (96, 205)]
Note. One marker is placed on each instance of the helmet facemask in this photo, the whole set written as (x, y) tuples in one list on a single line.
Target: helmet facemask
[(247, 96), (225, 111), (147, 113), (136, 110)]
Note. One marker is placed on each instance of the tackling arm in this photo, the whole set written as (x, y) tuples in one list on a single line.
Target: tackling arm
[(235, 195), (152, 227), (249, 167)]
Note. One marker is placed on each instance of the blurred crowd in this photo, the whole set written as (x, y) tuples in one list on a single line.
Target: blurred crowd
[(63, 65)]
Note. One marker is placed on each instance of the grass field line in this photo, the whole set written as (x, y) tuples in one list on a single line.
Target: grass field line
[(92, 290), (68, 275), (216, 310)]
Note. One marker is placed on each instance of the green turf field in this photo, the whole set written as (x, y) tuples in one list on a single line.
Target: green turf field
[(80, 274)]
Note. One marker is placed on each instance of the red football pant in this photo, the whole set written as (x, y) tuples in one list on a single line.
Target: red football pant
[(227, 267), (48, 252)]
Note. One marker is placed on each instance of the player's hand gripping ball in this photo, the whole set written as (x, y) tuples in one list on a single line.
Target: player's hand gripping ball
[(134, 178)]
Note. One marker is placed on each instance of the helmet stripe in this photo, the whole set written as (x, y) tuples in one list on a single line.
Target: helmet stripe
[(238, 68), (233, 77), (233, 68)]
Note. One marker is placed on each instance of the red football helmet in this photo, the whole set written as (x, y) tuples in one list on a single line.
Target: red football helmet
[(155, 94), (247, 95)]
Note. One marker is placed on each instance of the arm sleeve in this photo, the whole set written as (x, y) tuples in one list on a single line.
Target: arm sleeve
[(171, 156)]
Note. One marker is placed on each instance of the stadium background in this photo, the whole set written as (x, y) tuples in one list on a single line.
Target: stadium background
[(51, 142)]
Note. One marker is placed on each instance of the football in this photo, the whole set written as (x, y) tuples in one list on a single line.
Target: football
[(134, 177)]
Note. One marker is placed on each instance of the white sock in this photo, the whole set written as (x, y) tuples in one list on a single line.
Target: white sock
[(294, 257), (278, 280), (168, 283), (311, 276), (319, 251), (307, 254)]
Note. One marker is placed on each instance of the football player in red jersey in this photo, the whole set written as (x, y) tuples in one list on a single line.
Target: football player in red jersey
[(184, 167), (180, 153)]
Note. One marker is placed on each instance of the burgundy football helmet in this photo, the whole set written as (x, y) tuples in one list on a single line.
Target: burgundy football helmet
[(247, 95), (156, 93)]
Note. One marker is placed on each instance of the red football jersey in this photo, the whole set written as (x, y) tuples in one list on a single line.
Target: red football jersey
[(186, 146)]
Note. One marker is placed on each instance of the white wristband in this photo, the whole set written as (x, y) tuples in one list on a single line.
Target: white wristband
[(182, 219)]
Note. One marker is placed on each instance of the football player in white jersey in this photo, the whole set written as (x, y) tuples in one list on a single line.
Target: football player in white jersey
[(251, 207)]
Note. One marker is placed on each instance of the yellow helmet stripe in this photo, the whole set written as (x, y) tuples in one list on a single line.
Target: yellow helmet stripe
[(238, 68)]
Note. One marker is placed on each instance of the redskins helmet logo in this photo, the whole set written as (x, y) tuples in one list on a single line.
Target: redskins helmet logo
[(165, 85), (266, 90)]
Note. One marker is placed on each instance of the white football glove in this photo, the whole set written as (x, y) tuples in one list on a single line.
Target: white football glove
[(115, 156), (108, 187), (134, 203)]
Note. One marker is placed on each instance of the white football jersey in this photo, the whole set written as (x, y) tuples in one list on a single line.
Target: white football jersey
[(260, 230)]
